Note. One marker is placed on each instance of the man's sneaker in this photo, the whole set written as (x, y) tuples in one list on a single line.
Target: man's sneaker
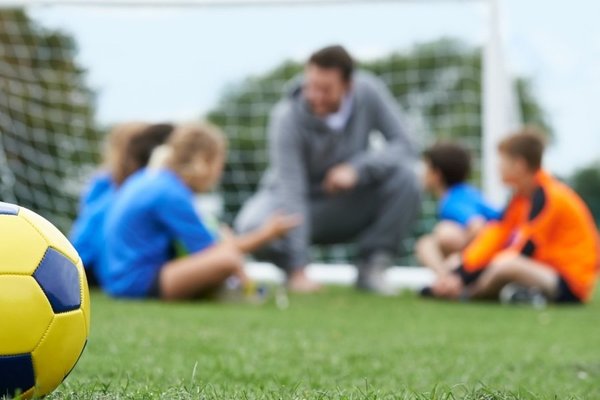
[(517, 294), (371, 275)]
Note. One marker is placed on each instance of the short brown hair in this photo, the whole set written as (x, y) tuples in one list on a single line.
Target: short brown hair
[(451, 160), (140, 146), (115, 153), (190, 140), (334, 57), (528, 144)]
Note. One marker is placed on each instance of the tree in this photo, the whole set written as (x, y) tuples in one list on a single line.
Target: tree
[(586, 182), (48, 139), (438, 84)]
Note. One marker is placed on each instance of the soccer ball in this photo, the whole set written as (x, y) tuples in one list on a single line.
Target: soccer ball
[(44, 304)]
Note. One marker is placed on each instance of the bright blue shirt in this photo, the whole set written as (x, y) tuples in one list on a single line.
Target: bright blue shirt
[(86, 233), (152, 213), (100, 184), (462, 203)]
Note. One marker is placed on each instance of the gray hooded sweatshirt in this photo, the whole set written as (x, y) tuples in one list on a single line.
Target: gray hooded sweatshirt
[(302, 148)]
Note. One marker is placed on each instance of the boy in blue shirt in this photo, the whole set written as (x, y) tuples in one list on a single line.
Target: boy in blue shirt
[(153, 216), (462, 210)]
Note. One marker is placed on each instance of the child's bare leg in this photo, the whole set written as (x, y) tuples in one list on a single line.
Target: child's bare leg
[(515, 269), (434, 249), (453, 261), (429, 253), (190, 276), (451, 237)]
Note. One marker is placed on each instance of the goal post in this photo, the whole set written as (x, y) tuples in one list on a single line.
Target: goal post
[(500, 111)]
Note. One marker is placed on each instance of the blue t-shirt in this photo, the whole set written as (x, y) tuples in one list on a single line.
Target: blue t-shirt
[(100, 184), (86, 233), (151, 215), (464, 202)]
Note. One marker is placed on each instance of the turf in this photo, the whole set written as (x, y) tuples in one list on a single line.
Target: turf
[(337, 345)]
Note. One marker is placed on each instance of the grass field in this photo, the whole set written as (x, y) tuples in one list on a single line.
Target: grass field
[(337, 345)]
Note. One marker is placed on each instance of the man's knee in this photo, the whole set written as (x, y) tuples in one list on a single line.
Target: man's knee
[(403, 178), (402, 189), (244, 222), (253, 213)]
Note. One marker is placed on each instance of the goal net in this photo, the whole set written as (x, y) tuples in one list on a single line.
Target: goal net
[(69, 70)]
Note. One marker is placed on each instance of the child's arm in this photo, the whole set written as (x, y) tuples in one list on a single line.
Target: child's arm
[(542, 220), (491, 239), (276, 226), (482, 250)]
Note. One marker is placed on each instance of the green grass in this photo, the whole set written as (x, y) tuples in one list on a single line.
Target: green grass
[(337, 345)]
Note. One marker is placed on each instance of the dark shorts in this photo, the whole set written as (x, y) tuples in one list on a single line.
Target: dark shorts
[(154, 291), (564, 294), (92, 280)]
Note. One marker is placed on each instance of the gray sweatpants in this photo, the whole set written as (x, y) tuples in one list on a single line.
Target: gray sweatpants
[(375, 216)]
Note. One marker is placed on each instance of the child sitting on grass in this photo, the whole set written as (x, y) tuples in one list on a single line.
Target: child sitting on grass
[(154, 215), (546, 243), (462, 210), (128, 149)]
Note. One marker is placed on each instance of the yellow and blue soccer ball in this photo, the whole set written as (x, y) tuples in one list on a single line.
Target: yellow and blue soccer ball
[(44, 304)]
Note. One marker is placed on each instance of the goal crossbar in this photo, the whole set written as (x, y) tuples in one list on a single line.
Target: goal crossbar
[(203, 3)]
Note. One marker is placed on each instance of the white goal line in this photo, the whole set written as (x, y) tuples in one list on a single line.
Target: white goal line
[(411, 278)]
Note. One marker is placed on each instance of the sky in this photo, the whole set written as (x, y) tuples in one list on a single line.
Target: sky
[(174, 63)]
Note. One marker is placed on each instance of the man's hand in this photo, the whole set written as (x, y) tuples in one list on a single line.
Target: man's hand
[(341, 178), (279, 224), (448, 286)]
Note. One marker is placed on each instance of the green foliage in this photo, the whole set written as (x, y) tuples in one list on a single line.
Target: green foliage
[(586, 182), (337, 345), (243, 113), (438, 84), (48, 139), (531, 110)]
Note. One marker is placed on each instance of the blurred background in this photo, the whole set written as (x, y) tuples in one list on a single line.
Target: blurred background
[(71, 70)]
